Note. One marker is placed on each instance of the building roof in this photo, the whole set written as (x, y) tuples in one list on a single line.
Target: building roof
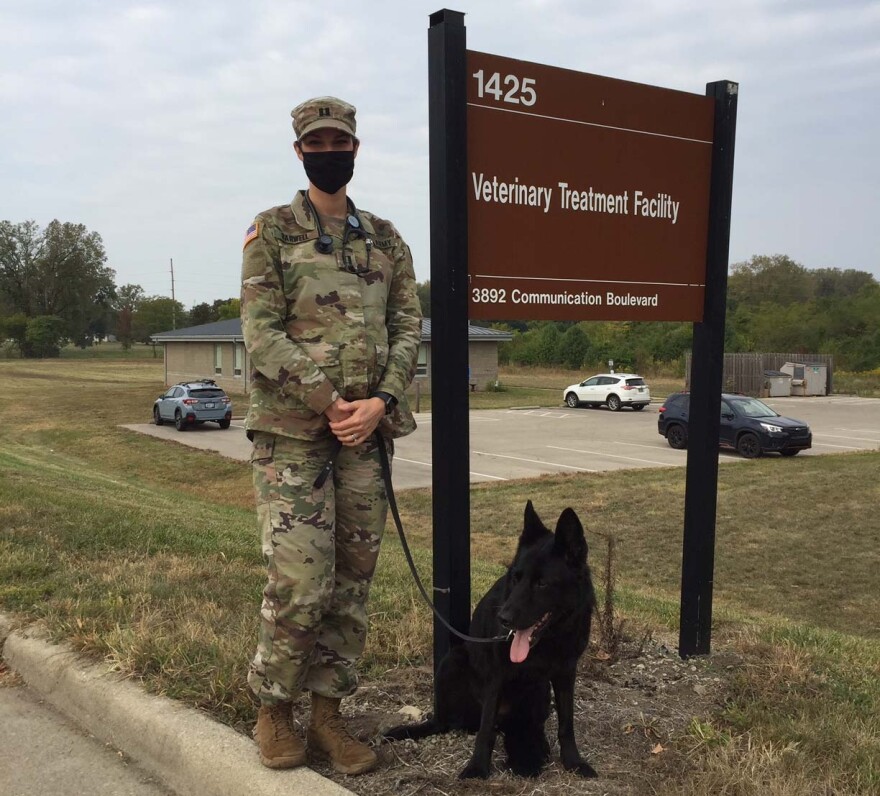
[(230, 331), (476, 334), (221, 331)]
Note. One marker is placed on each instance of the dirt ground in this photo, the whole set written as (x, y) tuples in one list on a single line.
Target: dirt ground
[(627, 713)]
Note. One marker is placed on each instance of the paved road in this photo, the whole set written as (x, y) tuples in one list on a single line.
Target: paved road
[(524, 443), (42, 752)]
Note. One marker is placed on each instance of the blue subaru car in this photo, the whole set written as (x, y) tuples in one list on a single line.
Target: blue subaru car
[(191, 403)]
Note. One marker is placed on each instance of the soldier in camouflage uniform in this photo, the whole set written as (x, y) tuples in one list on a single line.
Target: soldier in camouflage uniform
[(332, 323)]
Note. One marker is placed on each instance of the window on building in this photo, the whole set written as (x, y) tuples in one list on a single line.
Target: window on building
[(218, 358), (238, 363), (422, 365)]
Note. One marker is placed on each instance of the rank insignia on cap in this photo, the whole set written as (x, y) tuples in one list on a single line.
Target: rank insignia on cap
[(253, 231)]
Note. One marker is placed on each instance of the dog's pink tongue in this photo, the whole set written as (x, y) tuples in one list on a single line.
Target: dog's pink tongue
[(519, 647)]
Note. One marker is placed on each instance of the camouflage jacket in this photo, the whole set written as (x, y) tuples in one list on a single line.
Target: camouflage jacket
[(315, 331)]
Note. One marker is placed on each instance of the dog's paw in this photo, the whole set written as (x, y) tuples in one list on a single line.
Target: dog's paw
[(583, 769), (474, 770)]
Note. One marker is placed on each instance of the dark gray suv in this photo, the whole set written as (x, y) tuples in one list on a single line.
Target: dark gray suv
[(748, 426), (191, 403)]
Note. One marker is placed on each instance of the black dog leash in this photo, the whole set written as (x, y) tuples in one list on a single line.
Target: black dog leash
[(392, 502)]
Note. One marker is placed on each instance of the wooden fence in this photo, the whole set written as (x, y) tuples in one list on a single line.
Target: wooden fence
[(744, 373)]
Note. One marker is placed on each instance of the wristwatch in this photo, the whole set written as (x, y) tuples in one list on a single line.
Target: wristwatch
[(389, 399)]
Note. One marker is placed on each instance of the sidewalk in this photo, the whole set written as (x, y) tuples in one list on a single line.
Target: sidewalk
[(41, 752), (187, 752)]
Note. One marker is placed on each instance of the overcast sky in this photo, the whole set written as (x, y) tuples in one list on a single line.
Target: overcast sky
[(164, 126)]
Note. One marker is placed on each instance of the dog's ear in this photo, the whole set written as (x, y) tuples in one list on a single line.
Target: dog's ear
[(533, 529), (570, 540)]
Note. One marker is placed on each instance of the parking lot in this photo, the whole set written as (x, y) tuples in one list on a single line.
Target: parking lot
[(524, 443)]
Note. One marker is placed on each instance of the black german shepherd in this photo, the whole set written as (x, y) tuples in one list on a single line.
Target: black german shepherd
[(545, 604)]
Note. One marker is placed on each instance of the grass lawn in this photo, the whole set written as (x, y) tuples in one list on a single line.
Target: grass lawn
[(866, 384), (113, 351), (144, 553)]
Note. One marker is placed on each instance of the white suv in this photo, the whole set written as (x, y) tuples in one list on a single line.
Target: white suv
[(613, 389)]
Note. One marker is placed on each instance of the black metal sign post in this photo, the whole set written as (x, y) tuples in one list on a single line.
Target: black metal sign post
[(707, 363), (450, 441)]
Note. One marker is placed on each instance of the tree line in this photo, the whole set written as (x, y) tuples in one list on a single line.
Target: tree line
[(56, 288)]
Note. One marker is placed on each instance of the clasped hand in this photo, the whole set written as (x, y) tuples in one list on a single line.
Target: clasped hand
[(353, 421)]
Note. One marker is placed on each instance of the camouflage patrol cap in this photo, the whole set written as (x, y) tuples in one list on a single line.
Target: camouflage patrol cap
[(313, 114)]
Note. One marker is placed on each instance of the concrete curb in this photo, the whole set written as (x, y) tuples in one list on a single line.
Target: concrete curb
[(189, 752)]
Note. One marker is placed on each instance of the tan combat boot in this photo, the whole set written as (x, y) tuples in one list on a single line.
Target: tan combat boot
[(329, 738), (279, 745)]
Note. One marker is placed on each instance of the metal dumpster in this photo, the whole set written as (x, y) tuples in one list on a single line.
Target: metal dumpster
[(807, 379), (777, 384)]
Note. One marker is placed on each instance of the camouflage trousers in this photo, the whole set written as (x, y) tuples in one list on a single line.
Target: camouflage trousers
[(320, 547)]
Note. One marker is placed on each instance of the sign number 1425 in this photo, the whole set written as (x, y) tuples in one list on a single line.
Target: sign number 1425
[(509, 88)]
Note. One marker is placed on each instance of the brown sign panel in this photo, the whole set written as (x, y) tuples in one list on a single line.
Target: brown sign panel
[(588, 197)]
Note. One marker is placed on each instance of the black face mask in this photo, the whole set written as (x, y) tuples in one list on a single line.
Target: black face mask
[(329, 171)]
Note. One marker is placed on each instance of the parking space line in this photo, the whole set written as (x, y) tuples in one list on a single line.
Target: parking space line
[(535, 461), (639, 445), (842, 447), (612, 456), (412, 461), (428, 464), (841, 436)]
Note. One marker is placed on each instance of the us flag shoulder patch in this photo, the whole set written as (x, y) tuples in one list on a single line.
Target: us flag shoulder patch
[(253, 232)]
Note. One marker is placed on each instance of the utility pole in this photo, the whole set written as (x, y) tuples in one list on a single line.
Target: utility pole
[(173, 300)]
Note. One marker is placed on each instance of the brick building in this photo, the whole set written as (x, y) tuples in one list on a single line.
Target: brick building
[(216, 351)]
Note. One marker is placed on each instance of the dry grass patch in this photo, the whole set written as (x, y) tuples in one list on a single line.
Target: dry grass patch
[(865, 383), (8, 678), (802, 716)]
